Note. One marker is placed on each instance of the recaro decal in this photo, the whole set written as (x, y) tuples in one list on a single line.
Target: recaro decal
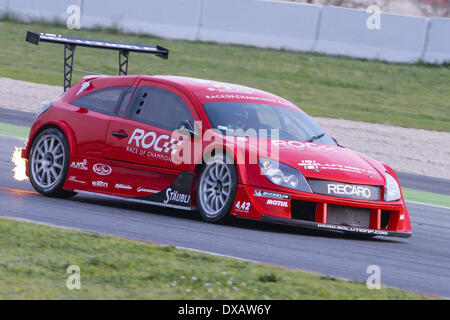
[(349, 190), (345, 190)]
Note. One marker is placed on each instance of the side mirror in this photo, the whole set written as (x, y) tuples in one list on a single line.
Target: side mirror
[(188, 127)]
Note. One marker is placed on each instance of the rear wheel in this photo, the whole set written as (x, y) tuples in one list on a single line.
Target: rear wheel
[(216, 189), (48, 163)]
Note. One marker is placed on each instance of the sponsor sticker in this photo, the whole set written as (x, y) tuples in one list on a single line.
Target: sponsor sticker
[(141, 189), (352, 229), (74, 179), (177, 197), (123, 186), (314, 165), (102, 169), (100, 184), (278, 203), (346, 190), (80, 165), (349, 190), (270, 194)]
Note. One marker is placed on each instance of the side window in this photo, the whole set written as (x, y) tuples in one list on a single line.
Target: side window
[(160, 108), (103, 100), (124, 103)]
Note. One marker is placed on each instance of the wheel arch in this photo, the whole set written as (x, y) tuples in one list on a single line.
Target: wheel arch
[(61, 126)]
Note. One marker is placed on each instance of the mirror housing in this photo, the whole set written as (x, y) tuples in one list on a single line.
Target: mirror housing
[(188, 127)]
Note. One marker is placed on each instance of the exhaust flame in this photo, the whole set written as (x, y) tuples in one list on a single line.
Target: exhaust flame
[(19, 165)]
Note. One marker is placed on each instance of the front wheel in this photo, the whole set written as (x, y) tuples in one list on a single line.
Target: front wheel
[(48, 163), (216, 189)]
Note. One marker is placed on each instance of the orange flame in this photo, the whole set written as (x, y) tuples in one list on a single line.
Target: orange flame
[(19, 165)]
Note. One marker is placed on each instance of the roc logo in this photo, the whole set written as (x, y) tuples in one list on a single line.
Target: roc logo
[(150, 139)]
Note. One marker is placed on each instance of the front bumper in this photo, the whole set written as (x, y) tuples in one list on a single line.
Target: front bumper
[(323, 212)]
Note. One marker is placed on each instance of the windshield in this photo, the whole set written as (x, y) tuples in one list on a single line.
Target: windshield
[(242, 118)]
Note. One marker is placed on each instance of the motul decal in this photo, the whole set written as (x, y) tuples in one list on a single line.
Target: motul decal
[(278, 203)]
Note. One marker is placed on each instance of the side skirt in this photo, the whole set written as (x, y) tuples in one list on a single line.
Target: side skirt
[(174, 206)]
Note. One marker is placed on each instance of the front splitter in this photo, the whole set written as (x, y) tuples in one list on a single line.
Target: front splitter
[(333, 227)]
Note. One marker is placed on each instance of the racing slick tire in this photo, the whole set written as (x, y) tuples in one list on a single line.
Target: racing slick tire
[(48, 163), (216, 189)]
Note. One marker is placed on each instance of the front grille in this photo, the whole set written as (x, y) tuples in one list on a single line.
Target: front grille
[(303, 210), (348, 216)]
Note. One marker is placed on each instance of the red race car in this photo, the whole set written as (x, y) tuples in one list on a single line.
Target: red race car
[(219, 148)]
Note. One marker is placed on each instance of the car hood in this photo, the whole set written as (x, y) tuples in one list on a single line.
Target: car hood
[(320, 161)]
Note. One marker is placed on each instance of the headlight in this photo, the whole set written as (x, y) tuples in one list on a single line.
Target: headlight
[(391, 189), (283, 175)]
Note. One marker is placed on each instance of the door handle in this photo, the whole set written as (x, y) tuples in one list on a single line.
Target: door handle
[(120, 134)]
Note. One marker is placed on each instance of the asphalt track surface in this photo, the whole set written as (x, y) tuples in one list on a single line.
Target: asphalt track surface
[(420, 263)]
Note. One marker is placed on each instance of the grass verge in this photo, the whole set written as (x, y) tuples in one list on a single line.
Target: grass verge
[(414, 95), (12, 130), (426, 197), (34, 259)]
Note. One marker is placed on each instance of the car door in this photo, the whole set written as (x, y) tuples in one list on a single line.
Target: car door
[(140, 146), (90, 116)]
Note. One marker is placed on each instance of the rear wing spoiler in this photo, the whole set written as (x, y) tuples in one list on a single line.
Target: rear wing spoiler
[(70, 44)]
